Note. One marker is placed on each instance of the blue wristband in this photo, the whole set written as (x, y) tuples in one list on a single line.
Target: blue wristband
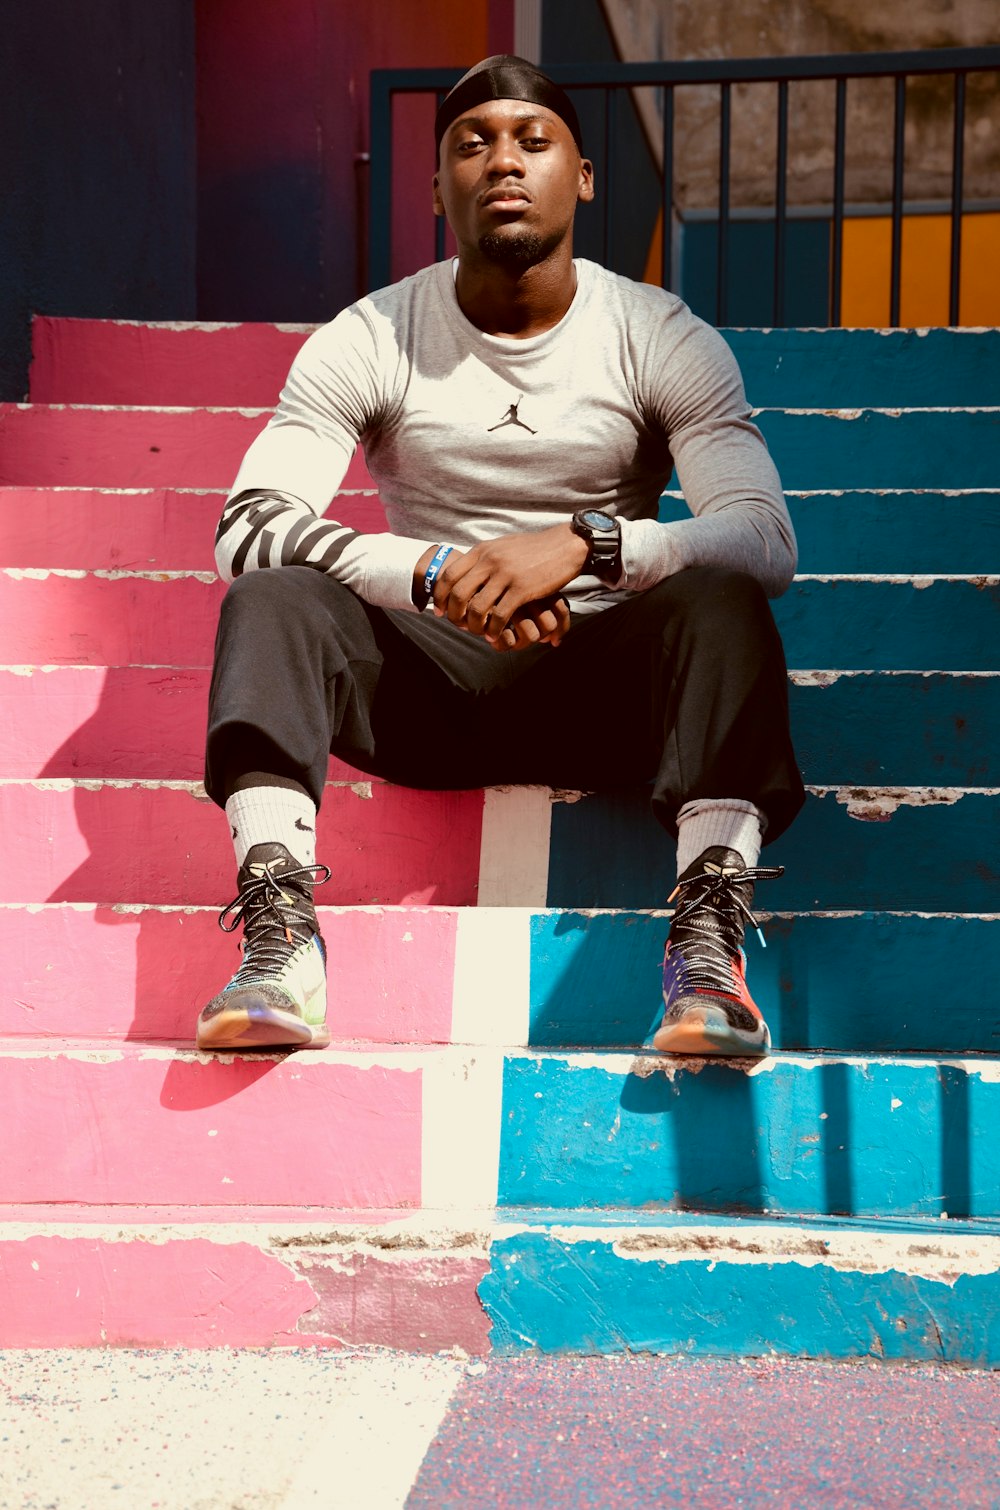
[(435, 564)]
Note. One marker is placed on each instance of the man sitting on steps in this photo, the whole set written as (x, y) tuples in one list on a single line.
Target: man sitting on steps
[(527, 619)]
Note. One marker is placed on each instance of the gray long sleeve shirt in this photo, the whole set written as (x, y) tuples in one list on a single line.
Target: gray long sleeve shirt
[(470, 436)]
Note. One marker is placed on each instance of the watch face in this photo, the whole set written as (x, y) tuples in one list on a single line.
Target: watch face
[(597, 520)]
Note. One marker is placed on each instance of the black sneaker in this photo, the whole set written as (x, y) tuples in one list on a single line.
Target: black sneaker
[(277, 998), (707, 1008)]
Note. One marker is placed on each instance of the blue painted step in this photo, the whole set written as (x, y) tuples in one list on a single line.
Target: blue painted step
[(889, 531), (608, 851), (818, 1292), (855, 1136), (883, 625), (812, 369), (933, 729), (873, 983), (884, 448)]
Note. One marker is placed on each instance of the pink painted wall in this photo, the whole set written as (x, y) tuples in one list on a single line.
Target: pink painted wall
[(282, 123)]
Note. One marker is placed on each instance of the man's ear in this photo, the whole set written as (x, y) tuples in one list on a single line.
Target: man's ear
[(438, 202), (586, 191)]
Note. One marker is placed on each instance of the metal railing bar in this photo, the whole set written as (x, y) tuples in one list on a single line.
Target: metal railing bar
[(734, 70), (609, 140), (839, 156), (722, 269), (898, 169), (781, 204), (380, 178), (439, 223), (667, 250), (957, 175)]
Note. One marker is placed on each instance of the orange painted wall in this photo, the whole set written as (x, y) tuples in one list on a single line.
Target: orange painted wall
[(926, 262)]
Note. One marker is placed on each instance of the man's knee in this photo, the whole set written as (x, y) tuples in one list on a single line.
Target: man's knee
[(289, 592)]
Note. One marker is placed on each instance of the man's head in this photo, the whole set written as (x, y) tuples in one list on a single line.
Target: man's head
[(510, 165)]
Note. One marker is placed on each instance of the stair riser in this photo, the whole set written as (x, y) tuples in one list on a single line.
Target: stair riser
[(606, 850), (916, 448), (163, 846), (306, 1131), (119, 362), (794, 1138), (561, 1295), (403, 845), (125, 1291), (163, 529), (872, 984), (132, 448), (818, 368), (129, 722), (136, 722), (882, 531), (100, 973), (146, 530), (123, 621), (203, 448), (566, 979)]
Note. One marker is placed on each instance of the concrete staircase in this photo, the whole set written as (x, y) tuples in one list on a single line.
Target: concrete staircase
[(485, 1156)]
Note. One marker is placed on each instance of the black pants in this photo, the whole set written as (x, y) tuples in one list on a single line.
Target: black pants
[(684, 685)]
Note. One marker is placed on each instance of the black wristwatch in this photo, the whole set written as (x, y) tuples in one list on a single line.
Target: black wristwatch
[(603, 534)]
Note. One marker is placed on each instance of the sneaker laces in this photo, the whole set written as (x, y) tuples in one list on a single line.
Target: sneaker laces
[(710, 944), (274, 926)]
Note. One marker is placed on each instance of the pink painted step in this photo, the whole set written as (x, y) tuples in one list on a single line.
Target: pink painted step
[(51, 619), (155, 846), (148, 529), (141, 1126), (131, 362), (104, 973), (136, 1287), (130, 722), (43, 445)]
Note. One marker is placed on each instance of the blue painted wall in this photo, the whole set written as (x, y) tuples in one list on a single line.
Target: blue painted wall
[(97, 171)]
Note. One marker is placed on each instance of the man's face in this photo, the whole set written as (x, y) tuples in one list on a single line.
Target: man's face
[(509, 181)]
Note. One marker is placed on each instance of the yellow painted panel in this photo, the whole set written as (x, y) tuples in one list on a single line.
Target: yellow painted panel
[(925, 275)]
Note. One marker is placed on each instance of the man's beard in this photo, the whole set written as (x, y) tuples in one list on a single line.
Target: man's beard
[(516, 248)]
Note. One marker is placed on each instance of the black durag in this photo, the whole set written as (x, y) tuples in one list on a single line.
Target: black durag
[(505, 77)]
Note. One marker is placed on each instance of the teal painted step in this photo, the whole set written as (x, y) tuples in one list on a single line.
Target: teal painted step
[(822, 1136), (876, 983), (887, 531), (594, 1291), (882, 625), (872, 448), (859, 369), (608, 851), (934, 730)]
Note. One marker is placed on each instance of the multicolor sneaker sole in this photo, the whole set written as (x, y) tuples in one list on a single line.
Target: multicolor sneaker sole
[(261, 1026), (706, 1030)]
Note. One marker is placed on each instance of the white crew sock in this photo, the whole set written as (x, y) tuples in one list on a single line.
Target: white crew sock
[(728, 821), (273, 815)]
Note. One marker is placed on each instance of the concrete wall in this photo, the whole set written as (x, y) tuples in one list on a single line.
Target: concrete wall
[(97, 170), (687, 29)]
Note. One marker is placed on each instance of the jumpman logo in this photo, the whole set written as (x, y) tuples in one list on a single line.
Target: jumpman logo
[(510, 418)]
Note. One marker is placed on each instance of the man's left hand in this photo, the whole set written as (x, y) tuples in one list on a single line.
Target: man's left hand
[(484, 587)]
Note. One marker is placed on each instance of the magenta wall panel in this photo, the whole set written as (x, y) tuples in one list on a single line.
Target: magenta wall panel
[(101, 973), (144, 1127), (159, 529), (46, 445), (162, 845)]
